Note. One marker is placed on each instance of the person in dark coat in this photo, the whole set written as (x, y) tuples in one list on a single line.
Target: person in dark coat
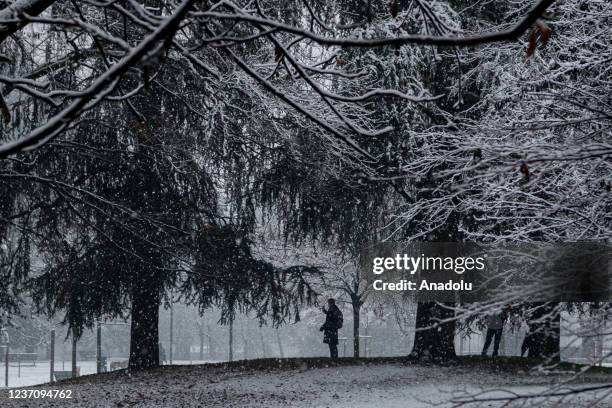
[(495, 327), (333, 322), (529, 341)]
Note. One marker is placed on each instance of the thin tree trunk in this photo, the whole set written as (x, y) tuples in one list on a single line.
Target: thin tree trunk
[(356, 317), (231, 340), (280, 344), (201, 334), (263, 343), (245, 341), (210, 344)]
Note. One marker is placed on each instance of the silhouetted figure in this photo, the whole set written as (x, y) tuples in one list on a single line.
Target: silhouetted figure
[(528, 341), (333, 322), (495, 327)]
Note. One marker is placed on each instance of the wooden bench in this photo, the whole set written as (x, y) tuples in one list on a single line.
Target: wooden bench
[(21, 357), (87, 355)]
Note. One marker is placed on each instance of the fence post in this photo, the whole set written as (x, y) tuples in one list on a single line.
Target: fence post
[(52, 356), (99, 349), (171, 328), (6, 366)]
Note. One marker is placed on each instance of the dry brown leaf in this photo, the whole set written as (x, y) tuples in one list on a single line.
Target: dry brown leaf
[(545, 31), (533, 42), (525, 170)]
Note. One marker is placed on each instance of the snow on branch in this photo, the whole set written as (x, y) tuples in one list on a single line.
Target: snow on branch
[(102, 86), (104, 47), (512, 34)]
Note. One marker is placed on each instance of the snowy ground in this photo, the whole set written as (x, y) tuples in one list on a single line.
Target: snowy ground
[(389, 385), (29, 375)]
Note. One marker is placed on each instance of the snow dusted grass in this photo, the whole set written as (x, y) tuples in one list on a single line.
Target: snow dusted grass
[(388, 382)]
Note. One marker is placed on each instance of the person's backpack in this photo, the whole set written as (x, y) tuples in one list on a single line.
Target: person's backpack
[(340, 318)]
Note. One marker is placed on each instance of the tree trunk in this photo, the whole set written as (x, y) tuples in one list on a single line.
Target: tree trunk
[(245, 340), (356, 316), (545, 323), (263, 344), (74, 356), (231, 340), (144, 336), (209, 342), (280, 344), (434, 341), (201, 335)]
